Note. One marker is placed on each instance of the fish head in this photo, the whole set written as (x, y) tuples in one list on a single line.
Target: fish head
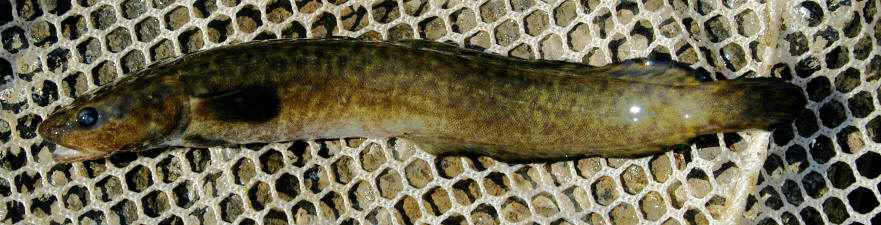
[(124, 116)]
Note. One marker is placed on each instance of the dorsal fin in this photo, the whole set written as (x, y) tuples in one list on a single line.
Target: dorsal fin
[(426, 44), (636, 70), (647, 71), (444, 48)]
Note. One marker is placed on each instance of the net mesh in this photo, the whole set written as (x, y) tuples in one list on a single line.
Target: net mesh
[(816, 170)]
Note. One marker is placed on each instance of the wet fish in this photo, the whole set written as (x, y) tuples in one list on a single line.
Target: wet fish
[(446, 99)]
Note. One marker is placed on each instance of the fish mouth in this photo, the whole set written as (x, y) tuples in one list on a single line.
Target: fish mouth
[(67, 152), (64, 154)]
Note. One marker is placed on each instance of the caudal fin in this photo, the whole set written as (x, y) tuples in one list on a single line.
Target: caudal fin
[(764, 103)]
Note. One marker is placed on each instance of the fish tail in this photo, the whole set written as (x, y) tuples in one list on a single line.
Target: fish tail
[(764, 103)]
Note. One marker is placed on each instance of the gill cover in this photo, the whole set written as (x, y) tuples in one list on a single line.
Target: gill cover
[(137, 115)]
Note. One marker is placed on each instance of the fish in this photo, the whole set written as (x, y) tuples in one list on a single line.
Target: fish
[(443, 98)]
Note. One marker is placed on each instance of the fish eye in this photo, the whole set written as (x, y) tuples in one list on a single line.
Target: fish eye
[(87, 117)]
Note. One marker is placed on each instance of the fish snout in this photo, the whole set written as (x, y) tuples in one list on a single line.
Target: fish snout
[(66, 150), (49, 131), (52, 129)]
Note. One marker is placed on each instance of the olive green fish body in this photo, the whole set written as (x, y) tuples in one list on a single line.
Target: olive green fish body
[(445, 99)]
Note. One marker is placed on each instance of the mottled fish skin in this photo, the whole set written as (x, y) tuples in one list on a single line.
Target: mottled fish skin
[(446, 99)]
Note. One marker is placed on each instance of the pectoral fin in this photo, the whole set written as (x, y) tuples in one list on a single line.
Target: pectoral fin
[(248, 104)]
